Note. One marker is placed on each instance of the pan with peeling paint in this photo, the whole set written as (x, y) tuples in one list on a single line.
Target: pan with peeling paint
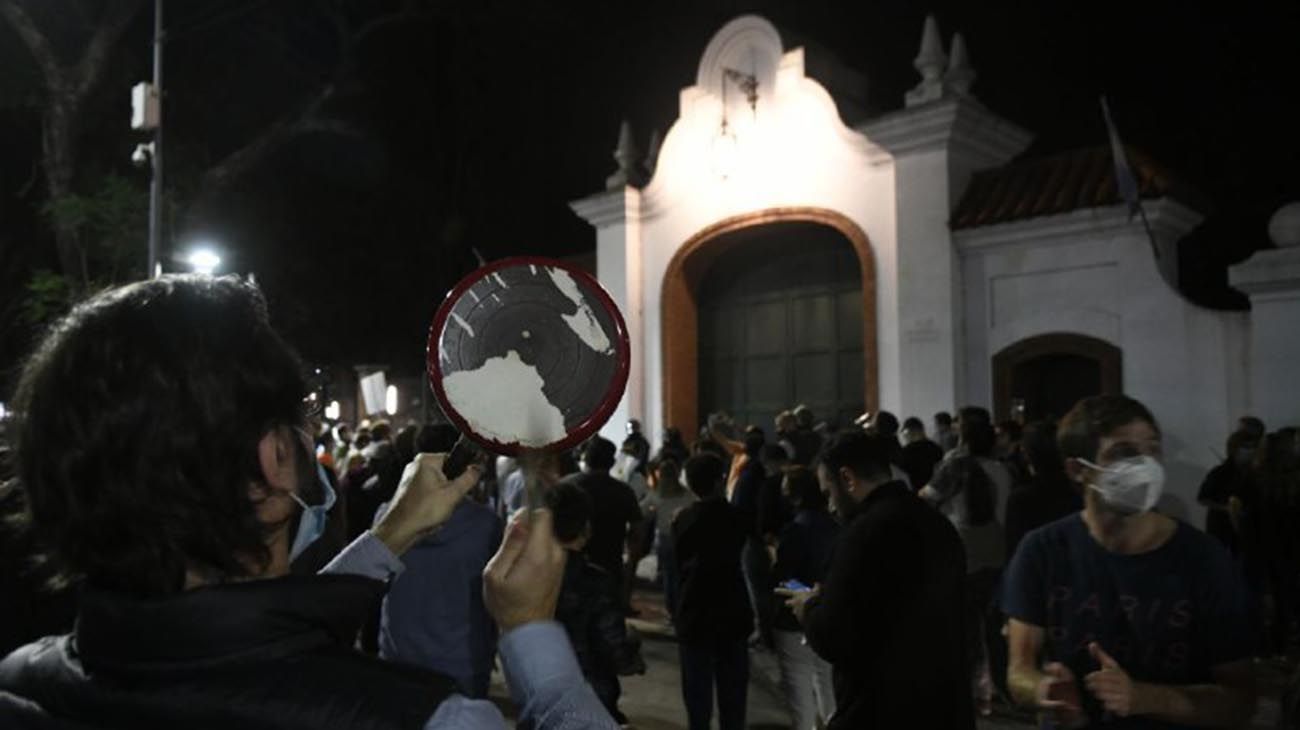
[(528, 354)]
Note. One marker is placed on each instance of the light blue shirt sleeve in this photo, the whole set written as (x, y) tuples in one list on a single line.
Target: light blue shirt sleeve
[(366, 556), (546, 683)]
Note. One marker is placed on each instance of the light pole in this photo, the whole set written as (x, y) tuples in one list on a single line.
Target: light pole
[(146, 116), (156, 186)]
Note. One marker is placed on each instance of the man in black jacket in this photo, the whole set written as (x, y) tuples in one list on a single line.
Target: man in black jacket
[(889, 616), (713, 618)]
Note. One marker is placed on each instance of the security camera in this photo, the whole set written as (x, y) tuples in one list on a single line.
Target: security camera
[(143, 154)]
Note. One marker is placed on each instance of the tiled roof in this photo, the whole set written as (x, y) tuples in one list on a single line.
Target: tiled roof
[(1058, 183)]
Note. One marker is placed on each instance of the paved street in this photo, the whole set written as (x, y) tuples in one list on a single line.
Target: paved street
[(653, 701)]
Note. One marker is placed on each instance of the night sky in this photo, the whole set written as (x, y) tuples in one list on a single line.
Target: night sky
[(473, 124)]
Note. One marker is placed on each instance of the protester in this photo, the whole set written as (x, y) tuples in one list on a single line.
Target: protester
[(920, 454), (672, 447), (1048, 495), (889, 616), (630, 469), (944, 434), (586, 607), (1009, 450), (974, 447), (756, 564), (774, 508), (714, 618), (636, 445), (1120, 615), (373, 481), (325, 451), (964, 491), (667, 499), (1272, 517), (722, 431), (342, 445), (786, 426), (803, 554), (614, 510), (1223, 483), (807, 441), (187, 615), (885, 424)]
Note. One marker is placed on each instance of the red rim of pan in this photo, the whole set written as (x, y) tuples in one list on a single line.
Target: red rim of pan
[(608, 402)]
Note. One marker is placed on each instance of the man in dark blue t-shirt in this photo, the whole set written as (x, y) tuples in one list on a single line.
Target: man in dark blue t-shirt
[(1121, 616)]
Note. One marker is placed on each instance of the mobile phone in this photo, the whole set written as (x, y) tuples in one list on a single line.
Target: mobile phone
[(796, 586)]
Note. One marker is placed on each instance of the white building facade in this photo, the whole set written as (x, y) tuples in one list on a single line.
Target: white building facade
[(927, 307)]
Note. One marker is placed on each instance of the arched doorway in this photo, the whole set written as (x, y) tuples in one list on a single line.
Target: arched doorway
[(1046, 375), (768, 310)]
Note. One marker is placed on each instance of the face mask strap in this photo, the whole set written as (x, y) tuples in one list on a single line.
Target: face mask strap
[(1091, 465)]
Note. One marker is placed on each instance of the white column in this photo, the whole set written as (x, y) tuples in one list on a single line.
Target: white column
[(616, 216), (936, 146), (1272, 280)]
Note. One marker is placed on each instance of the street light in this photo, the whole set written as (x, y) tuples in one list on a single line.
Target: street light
[(204, 261)]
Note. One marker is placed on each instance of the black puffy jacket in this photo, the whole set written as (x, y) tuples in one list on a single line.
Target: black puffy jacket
[(259, 654)]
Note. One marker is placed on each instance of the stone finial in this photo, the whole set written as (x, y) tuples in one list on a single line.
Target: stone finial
[(930, 62), (1284, 226), (960, 74), (626, 155), (652, 152)]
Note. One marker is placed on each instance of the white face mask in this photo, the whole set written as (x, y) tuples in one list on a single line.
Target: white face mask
[(1129, 485)]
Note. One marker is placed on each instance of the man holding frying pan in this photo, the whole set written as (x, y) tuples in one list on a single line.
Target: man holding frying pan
[(161, 452)]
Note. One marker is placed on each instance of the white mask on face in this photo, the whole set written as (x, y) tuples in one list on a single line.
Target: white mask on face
[(1131, 485)]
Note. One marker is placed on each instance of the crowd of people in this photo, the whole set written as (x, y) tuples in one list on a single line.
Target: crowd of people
[(224, 542)]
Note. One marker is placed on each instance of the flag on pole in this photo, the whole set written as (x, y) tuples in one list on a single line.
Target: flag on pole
[(1125, 182)]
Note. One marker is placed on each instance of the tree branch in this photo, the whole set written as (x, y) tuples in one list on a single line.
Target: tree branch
[(235, 164), (119, 15), (35, 40)]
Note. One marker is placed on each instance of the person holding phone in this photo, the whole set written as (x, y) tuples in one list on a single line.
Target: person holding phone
[(803, 555), (889, 616)]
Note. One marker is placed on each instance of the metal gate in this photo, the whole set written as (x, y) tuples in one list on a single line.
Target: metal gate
[(780, 323)]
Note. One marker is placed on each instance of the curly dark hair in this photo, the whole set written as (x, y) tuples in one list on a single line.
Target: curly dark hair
[(1080, 431), (138, 421)]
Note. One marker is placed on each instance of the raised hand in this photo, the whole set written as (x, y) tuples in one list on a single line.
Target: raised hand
[(424, 500), (521, 583)]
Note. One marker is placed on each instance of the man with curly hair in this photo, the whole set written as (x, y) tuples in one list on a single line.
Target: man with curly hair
[(162, 455)]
